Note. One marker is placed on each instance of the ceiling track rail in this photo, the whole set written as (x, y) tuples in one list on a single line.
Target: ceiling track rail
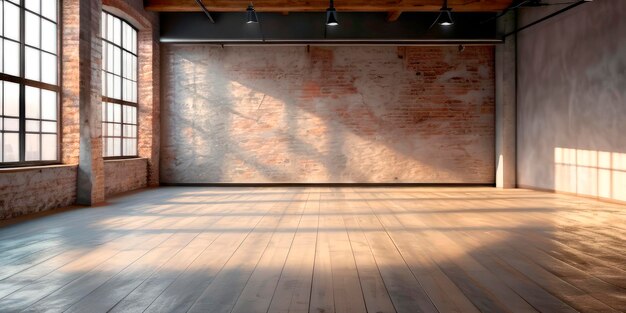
[(227, 43), (206, 12), (547, 17)]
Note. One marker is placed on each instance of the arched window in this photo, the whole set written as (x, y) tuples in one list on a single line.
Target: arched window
[(119, 87), (29, 89)]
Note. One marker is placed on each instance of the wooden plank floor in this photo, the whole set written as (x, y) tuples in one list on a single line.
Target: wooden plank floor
[(320, 250)]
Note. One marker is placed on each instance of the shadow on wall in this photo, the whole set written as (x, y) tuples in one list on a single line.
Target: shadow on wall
[(599, 174), (329, 115)]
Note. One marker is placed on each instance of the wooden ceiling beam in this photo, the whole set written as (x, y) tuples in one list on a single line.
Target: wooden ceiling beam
[(321, 5)]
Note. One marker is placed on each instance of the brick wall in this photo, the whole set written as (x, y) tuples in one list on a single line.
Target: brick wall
[(328, 115), (125, 175), (32, 190)]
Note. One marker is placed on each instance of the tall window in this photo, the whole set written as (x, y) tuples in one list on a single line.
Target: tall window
[(29, 111), (119, 87)]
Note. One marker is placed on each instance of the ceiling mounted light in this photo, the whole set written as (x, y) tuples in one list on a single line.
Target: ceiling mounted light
[(331, 15), (251, 15), (445, 15)]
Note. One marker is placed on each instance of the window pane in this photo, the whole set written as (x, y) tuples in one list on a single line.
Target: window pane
[(49, 68), (103, 26), (127, 94), (1, 27), (1, 143), (117, 130), (134, 68), (11, 124), (109, 147), (32, 126), (117, 87), (48, 127), (134, 92), (32, 102), (48, 105), (49, 9), (126, 64), (117, 113), (32, 147), (117, 59), (134, 43), (11, 99), (110, 112), (117, 146), (130, 147), (49, 36), (127, 131), (130, 115), (109, 34), (11, 147), (129, 38), (11, 21), (104, 83), (31, 59), (109, 57), (109, 92), (11, 58), (32, 30), (49, 147), (117, 31), (33, 5)]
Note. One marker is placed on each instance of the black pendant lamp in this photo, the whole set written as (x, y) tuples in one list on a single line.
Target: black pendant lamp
[(445, 15), (331, 15), (251, 17)]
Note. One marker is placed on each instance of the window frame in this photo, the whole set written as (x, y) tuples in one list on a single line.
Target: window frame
[(23, 82), (121, 102)]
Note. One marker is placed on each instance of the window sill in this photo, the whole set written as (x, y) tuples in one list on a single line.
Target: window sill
[(7, 170), (110, 160)]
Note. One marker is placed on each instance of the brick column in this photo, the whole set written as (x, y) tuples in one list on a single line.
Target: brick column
[(149, 106), (82, 135)]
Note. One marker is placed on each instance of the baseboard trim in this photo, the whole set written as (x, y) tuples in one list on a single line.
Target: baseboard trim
[(373, 185)]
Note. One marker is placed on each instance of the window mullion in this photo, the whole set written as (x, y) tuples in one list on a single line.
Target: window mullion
[(121, 60), (22, 86)]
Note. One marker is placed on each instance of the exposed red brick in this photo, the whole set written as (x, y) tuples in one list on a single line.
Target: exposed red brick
[(125, 175), (328, 115), (32, 190)]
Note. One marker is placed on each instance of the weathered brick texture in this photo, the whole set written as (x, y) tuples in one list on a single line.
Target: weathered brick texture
[(125, 175), (23, 192), (328, 115), (32, 190)]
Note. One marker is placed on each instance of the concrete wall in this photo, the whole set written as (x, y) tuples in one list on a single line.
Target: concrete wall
[(572, 101), (35, 189), (328, 115), (125, 175)]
